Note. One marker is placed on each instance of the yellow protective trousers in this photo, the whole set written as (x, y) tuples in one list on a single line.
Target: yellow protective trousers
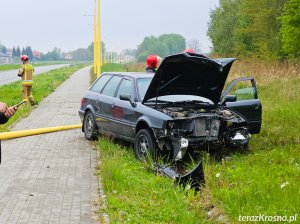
[(27, 94)]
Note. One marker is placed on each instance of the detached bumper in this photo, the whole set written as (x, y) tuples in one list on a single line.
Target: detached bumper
[(195, 177), (194, 141)]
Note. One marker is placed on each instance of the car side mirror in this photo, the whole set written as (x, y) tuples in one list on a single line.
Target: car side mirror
[(229, 98), (127, 97)]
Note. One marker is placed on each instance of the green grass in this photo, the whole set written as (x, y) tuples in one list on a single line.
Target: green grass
[(9, 67), (43, 85), (107, 68), (135, 195), (263, 180), (250, 184), (17, 66), (113, 67)]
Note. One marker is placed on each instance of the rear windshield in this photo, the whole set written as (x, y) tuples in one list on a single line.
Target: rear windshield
[(142, 85), (98, 86)]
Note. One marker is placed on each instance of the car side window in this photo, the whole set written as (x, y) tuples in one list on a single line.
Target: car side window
[(240, 89), (111, 86), (98, 86), (125, 88), (243, 90)]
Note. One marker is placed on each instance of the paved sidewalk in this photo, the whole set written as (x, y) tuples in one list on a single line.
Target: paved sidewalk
[(50, 178)]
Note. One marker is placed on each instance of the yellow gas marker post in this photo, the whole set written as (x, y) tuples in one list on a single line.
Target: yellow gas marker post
[(24, 133), (95, 43), (97, 40)]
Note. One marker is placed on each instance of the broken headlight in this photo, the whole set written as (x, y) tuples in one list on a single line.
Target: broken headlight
[(206, 127), (214, 127)]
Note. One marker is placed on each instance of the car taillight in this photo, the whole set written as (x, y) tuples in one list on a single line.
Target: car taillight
[(82, 101)]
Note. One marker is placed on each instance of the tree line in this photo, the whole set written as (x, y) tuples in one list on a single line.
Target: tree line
[(16, 52), (268, 29), (163, 45)]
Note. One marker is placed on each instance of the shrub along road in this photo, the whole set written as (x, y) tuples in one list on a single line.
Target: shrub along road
[(50, 178)]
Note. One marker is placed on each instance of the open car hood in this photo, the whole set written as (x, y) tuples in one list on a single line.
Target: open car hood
[(190, 74)]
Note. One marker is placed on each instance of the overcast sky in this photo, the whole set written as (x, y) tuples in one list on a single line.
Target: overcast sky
[(44, 25)]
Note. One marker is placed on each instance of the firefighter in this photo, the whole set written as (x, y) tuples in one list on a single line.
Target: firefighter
[(26, 73), (189, 50), (152, 62)]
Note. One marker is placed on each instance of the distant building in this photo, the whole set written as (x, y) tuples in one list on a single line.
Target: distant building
[(68, 56), (4, 58), (37, 54), (9, 53)]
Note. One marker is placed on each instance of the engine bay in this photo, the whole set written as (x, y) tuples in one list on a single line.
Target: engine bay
[(191, 127)]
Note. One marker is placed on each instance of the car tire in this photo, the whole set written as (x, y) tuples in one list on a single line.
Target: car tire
[(89, 127), (215, 148), (144, 145)]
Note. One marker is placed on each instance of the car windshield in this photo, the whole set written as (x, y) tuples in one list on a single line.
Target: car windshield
[(142, 85)]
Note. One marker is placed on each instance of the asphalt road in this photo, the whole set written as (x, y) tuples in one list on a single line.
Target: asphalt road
[(11, 75)]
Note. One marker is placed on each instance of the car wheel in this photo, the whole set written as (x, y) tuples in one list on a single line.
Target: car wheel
[(90, 129), (144, 145)]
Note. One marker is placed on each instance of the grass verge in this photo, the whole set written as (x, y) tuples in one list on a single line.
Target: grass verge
[(135, 195), (264, 180), (43, 85), (107, 68), (17, 66)]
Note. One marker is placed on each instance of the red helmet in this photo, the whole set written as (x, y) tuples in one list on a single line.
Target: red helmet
[(189, 50), (24, 57), (152, 60)]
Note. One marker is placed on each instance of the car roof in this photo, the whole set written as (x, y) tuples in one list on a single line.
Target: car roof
[(134, 75)]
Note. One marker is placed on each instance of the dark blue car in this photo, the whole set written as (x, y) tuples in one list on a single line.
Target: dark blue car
[(179, 109)]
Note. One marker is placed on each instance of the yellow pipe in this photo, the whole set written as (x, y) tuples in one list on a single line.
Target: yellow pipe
[(24, 133)]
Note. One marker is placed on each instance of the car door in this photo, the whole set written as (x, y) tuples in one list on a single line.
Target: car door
[(95, 99), (241, 97), (108, 100), (123, 113)]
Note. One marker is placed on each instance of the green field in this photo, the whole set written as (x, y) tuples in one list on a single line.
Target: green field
[(263, 180), (43, 85), (5, 67)]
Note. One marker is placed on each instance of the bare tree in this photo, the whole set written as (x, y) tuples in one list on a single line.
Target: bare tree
[(193, 44)]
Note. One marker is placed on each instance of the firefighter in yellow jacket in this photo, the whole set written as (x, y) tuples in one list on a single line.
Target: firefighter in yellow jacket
[(26, 73)]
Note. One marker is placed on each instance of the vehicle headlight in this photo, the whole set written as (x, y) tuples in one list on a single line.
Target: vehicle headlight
[(171, 124), (214, 127)]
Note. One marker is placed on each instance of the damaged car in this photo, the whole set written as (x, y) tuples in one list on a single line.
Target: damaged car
[(180, 109)]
